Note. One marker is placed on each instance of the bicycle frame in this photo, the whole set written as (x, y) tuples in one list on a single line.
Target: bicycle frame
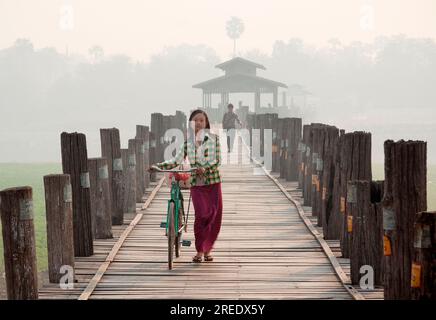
[(177, 199)]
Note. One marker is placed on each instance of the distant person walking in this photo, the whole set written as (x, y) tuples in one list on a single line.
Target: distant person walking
[(229, 120)]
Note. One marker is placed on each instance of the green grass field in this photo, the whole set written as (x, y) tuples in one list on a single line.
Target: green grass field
[(13, 175)]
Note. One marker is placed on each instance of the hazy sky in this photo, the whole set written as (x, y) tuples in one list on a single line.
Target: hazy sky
[(141, 28)]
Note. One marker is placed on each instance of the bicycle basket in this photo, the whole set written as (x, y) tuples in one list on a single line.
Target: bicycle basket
[(183, 178)]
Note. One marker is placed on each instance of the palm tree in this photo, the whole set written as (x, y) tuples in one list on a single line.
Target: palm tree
[(234, 27)]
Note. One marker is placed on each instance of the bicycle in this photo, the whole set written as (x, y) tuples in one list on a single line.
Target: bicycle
[(176, 219)]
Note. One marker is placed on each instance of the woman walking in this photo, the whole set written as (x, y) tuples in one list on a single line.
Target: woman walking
[(204, 153)]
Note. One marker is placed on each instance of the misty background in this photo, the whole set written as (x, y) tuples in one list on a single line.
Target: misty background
[(114, 68)]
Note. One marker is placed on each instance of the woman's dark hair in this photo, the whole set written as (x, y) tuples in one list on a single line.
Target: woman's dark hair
[(195, 112)]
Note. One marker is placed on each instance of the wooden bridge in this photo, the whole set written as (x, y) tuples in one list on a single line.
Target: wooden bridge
[(303, 231), (267, 249)]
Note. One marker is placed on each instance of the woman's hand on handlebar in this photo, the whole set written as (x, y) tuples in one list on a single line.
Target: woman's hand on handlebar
[(200, 170), (152, 169)]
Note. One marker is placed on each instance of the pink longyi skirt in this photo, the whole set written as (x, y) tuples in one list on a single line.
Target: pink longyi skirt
[(208, 206)]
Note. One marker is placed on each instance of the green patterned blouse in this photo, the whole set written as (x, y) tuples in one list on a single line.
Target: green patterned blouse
[(207, 155)]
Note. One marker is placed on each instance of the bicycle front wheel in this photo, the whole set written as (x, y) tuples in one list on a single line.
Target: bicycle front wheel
[(171, 233), (179, 233)]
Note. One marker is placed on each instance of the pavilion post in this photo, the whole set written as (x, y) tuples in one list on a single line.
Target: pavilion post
[(275, 96)]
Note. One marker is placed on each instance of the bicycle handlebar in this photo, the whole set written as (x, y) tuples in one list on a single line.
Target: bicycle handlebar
[(172, 170)]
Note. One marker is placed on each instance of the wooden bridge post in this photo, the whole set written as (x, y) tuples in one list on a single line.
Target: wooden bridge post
[(100, 198), (143, 133), (281, 147), (355, 165), (405, 195), (137, 145), (327, 166), (276, 144), (156, 127), (129, 182), (250, 126), (261, 127), (424, 264), (292, 140), (181, 121), (307, 191), (303, 160), (167, 123), (152, 154), (59, 217), (334, 224), (318, 149), (75, 163), (16, 210), (365, 229), (111, 150)]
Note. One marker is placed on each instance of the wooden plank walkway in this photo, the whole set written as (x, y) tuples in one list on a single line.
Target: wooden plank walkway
[(264, 251)]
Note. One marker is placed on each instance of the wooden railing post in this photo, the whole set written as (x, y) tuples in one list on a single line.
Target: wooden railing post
[(276, 141), (59, 217), (327, 168), (405, 195), (75, 163), (303, 160), (129, 183), (365, 228), (16, 210), (291, 142), (111, 150), (355, 165), (139, 155), (334, 224), (143, 133), (423, 280), (152, 153), (317, 150), (100, 198)]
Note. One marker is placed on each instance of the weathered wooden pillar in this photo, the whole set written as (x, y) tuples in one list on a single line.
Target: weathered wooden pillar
[(334, 224), (75, 163), (307, 191), (59, 217), (423, 280), (16, 210), (285, 127), (376, 224), (111, 150), (294, 137), (365, 226), (276, 145), (405, 195), (319, 167), (129, 178), (303, 161), (280, 146), (327, 165), (152, 153), (139, 155), (143, 133), (318, 150), (157, 128), (355, 165), (100, 198)]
